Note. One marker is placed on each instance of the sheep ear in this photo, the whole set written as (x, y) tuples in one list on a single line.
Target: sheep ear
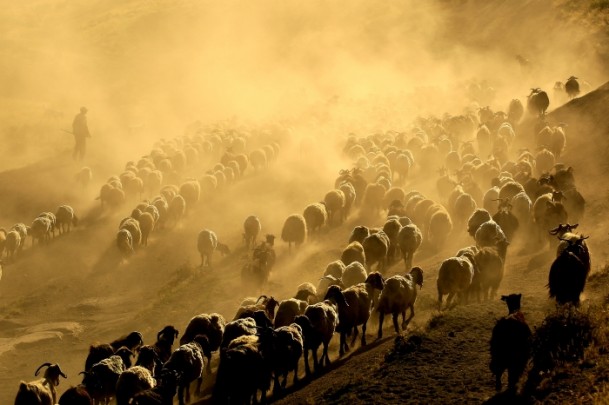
[(504, 298)]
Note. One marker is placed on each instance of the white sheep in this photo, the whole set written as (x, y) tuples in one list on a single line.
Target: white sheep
[(488, 234), (133, 226), (324, 283), (335, 203), (353, 274), (212, 326), (294, 230), (288, 310), (251, 229), (12, 243), (399, 294), (478, 217), (176, 209), (289, 345), (350, 196), (335, 268), (41, 230), (318, 325), (439, 228), (315, 216), (187, 360), (124, 242), (376, 248), (132, 381), (84, 176), (190, 190), (207, 243)]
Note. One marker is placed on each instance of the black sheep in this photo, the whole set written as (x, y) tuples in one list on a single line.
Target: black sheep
[(510, 344), (132, 341), (538, 102), (569, 272)]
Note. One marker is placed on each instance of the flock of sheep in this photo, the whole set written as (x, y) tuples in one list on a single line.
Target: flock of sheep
[(495, 200)]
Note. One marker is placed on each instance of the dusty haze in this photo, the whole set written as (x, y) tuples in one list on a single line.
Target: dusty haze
[(150, 70)]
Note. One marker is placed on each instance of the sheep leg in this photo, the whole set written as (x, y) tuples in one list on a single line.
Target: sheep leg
[(363, 333), (343, 344), (315, 360), (199, 383), (295, 373), (306, 362), (498, 382), (355, 333), (276, 384), (406, 322), (181, 395), (395, 322), (439, 300), (325, 354), (208, 367), (381, 317)]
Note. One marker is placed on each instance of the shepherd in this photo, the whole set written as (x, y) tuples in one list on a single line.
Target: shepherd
[(81, 133)]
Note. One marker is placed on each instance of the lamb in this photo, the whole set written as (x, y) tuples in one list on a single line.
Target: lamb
[(455, 277), (318, 325), (164, 342), (42, 391), (315, 216), (510, 344), (65, 218), (251, 229), (335, 204), (288, 346), (353, 274), (187, 361), (358, 234), (209, 325), (75, 396), (376, 247), (132, 381), (354, 308), (399, 294), (569, 272), (294, 230), (207, 243), (288, 310)]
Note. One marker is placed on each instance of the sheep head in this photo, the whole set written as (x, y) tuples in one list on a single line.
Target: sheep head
[(417, 275), (375, 279), (125, 354), (203, 342), (512, 301), (168, 333), (52, 373), (305, 324), (335, 294)]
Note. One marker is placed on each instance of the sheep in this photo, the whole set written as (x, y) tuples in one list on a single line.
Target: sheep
[(187, 360), (439, 227), (132, 381), (464, 207), (124, 242), (207, 243), (538, 102), (490, 263), (41, 230), (245, 368), (455, 277), (515, 111), (353, 274), (100, 381), (190, 190), (409, 240), (133, 226), (237, 328), (318, 325), (350, 195), (41, 391), (572, 87), (12, 243), (478, 217), (315, 216), (306, 292), (208, 325), (251, 229), (65, 218), (263, 303), (97, 353), (358, 234), (569, 272), (399, 294), (574, 204), (164, 342), (258, 269), (376, 247), (146, 221), (294, 230), (258, 159), (75, 396), (288, 347), (335, 268), (176, 209), (373, 197), (392, 229), (148, 358), (132, 341), (354, 308), (506, 220), (547, 212), (510, 344), (335, 203), (288, 310), (488, 234), (325, 282)]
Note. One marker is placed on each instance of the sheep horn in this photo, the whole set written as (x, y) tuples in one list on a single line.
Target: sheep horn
[(38, 369), (61, 373), (262, 296), (158, 335)]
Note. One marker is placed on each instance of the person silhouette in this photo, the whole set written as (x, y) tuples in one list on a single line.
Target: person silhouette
[(81, 133)]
